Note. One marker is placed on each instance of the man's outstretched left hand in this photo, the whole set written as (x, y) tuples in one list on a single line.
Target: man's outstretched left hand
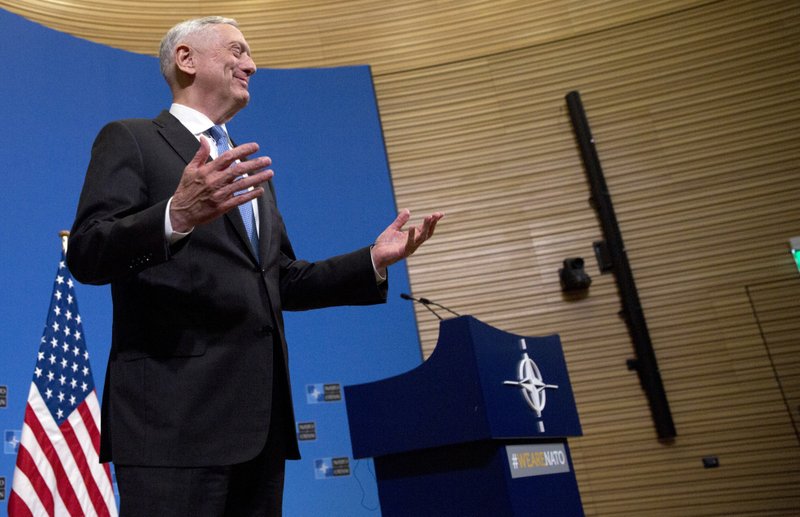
[(395, 244)]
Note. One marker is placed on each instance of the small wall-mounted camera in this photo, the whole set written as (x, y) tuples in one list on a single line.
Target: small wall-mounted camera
[(573, 277)]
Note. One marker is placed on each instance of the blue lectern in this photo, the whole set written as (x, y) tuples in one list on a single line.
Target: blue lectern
[(478, 429)]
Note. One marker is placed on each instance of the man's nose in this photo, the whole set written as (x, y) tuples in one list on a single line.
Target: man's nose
[(248, 65)]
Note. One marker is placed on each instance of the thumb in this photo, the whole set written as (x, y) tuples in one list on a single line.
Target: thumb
[(402, 218), (202, 154)]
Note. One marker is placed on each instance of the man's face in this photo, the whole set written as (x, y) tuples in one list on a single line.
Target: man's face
[(223, 69)]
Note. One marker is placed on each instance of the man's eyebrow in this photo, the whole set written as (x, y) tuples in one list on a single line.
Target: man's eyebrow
[(243, 46)]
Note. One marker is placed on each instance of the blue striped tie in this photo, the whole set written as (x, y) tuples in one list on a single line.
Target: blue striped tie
[(248, 217)]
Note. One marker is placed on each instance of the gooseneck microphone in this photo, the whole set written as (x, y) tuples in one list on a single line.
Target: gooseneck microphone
[(427, 303), (405, 296)]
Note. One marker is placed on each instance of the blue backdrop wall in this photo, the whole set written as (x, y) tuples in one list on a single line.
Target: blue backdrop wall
[(322, 129)]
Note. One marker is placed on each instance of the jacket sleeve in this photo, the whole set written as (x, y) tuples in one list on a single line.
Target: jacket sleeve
[(118, 229), (347, 279)]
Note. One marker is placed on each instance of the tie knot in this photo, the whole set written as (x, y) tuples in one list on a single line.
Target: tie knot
[(218, 134)]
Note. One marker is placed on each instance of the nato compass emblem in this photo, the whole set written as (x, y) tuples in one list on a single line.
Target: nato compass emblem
[(531, 382)]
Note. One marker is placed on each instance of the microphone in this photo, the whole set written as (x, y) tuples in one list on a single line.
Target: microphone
[(405, 296), (427, 303)]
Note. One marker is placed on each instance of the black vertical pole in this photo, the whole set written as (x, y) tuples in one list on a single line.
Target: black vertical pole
[(645, 363)]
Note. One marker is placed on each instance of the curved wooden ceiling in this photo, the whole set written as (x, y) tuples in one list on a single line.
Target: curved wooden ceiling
[(390, 36)]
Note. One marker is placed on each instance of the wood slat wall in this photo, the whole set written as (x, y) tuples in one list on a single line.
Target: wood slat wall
[(695, 108), (695, 115)]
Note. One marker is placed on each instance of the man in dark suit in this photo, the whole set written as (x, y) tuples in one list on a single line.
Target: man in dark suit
[(197, 413)]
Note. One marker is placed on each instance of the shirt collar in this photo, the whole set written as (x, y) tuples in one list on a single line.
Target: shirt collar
[(193, 120)]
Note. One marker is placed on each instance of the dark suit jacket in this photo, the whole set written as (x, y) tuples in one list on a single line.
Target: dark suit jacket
[(190, 373)]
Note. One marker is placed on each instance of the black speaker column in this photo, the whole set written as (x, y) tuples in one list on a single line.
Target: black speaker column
[(645, 362)]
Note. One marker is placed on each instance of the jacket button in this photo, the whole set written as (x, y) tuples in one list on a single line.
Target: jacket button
[(264, 331)]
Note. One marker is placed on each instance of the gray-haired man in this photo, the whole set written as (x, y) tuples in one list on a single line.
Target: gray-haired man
[(197, 414)]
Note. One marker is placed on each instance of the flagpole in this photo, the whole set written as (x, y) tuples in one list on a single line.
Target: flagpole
[(64, 234)]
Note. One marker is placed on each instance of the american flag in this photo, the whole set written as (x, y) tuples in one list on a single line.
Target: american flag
[(58, 471)]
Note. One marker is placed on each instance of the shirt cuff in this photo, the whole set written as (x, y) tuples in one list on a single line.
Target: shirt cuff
[(379, 278), (171, 235)]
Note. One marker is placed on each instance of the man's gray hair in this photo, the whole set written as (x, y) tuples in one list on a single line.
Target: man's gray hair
[(179, 33)]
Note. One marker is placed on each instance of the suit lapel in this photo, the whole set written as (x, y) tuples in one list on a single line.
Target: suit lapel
[(177, 136), (266, 214)]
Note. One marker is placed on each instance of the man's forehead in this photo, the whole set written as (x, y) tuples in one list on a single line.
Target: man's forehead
[(229, 33), (222, 34)]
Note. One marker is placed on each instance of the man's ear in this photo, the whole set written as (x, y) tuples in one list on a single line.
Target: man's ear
[(184, 59)]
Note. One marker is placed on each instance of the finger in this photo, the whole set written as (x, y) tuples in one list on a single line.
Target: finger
[(422, 231), (432, 227), (411, 245), (202, 154), (239, 171), (433, 218), (246, 197), (401, 219), (425, 231), (255, 179), (252, 166), (239, 152), (244, 183)]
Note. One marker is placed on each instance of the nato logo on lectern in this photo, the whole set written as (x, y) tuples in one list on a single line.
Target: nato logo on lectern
[(531, 382)]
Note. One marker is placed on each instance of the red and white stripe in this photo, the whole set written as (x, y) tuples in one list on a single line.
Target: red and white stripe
[(58, 471)]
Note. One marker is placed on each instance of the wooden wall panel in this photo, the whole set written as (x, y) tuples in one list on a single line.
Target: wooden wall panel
[(776, 306), (695, 115), (695, 108)]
